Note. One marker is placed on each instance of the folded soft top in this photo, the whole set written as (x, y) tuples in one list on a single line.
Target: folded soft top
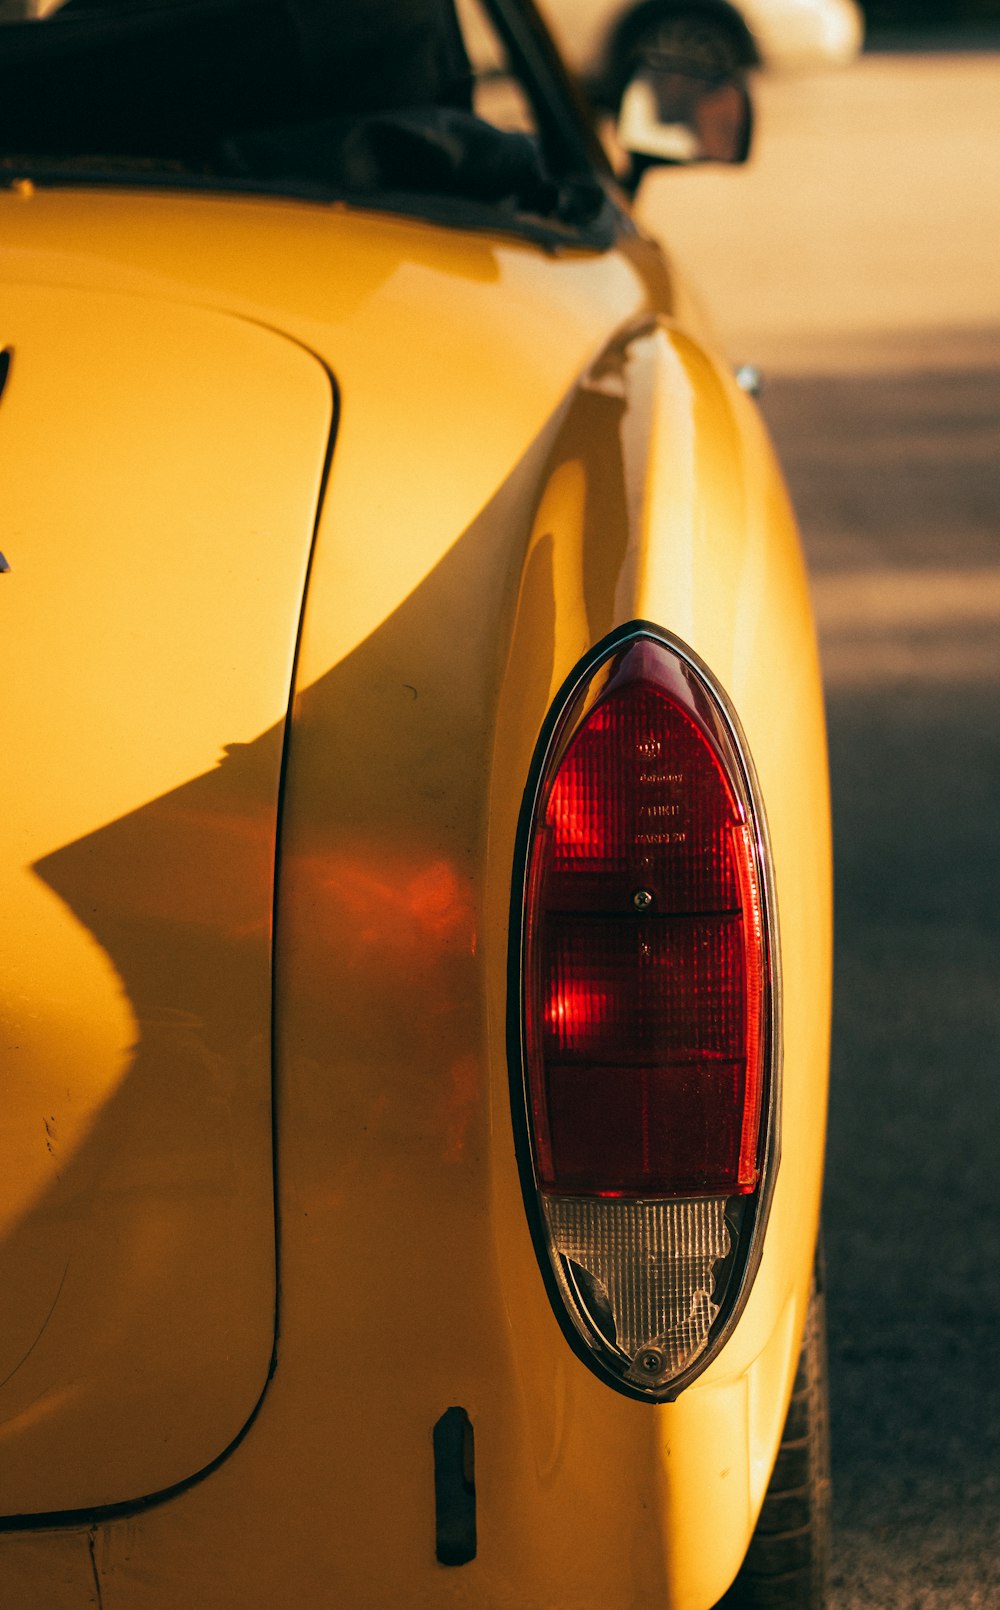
[(174, 80)]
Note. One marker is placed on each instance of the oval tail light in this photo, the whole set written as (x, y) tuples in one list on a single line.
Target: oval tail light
[(645, 1054)]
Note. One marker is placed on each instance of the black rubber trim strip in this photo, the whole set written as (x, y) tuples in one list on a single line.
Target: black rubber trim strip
[(446, 212)]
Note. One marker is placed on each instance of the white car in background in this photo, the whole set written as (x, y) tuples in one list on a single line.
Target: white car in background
[(604, 39)]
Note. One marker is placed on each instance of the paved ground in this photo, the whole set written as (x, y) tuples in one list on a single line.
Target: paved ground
[(898, 481), (860, 261)]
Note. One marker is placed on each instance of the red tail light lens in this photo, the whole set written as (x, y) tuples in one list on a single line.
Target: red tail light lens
[(645, 945)]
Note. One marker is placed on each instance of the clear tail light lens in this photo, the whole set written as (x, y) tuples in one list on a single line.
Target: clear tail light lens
[(646, 1002)]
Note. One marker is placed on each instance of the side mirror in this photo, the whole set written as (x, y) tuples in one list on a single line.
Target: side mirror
[(669, 116)]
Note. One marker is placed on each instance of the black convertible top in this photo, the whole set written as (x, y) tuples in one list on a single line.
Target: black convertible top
[(174, 79), (370, 100)]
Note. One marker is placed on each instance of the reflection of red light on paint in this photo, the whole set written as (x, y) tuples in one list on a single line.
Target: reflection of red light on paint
[(396, 904), (436, 900), (647, 967)]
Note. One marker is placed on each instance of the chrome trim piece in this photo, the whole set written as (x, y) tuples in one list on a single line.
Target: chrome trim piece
[(749, 379)]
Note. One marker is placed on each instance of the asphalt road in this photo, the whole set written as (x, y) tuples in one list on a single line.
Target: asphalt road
[(863, 269), (898, 481)]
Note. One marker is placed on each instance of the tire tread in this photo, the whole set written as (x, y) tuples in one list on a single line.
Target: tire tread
[(787, 1562)]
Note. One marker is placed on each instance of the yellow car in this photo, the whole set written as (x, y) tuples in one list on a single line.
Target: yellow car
[(415, 848)]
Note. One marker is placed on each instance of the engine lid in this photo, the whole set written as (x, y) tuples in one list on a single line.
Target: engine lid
[(160, 471)]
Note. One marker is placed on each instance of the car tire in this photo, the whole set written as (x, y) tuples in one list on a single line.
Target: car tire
[(787, 1563)]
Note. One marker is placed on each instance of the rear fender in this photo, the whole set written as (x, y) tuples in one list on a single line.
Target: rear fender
[(663, 504)]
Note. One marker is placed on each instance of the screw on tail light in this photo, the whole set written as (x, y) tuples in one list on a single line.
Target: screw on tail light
[(644, 1040)]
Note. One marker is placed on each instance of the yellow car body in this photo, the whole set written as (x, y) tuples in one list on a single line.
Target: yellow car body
[(309, 512)]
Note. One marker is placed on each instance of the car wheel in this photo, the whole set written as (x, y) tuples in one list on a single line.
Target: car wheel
[(788, 1559)]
